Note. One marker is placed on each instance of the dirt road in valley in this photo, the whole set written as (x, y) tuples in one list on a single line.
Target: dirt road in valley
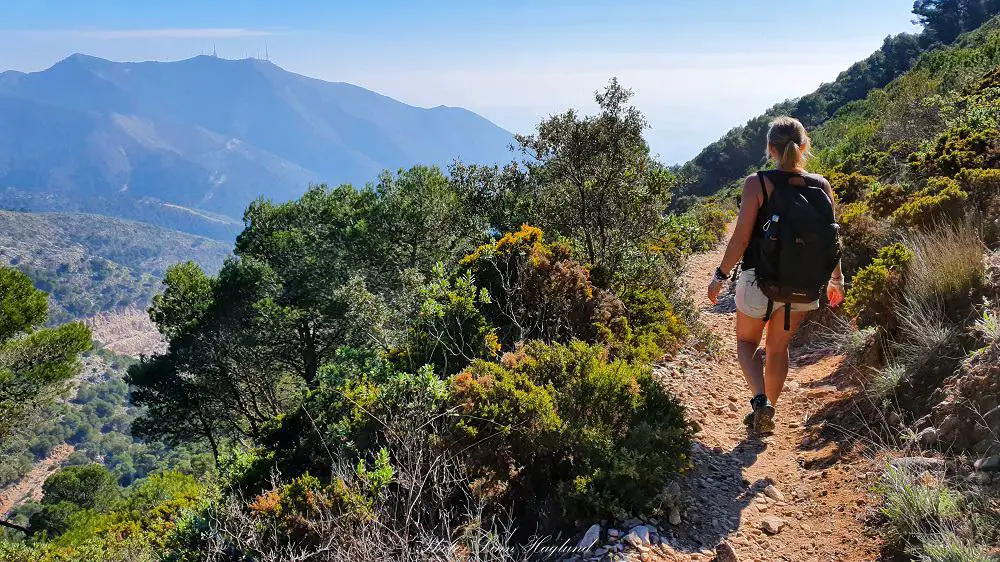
[(30, 486)]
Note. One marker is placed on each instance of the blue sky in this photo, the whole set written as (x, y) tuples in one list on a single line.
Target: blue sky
[(699, 67)]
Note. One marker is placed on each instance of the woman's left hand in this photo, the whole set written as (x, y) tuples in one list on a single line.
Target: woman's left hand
[(714, 288), (835, 292)]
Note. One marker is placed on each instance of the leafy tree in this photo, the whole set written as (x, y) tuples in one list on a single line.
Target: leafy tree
[(87, 487), (418, 221), (245, 344), (947, 19), (602, 187), (187, 295), (305, 248), (34, 362), (222, 378), (502, 196)]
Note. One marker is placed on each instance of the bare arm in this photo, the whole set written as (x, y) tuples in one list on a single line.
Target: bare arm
[(750, 203), (837, 274)]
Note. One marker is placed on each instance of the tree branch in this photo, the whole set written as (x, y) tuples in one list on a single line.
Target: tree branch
[(14, 526)]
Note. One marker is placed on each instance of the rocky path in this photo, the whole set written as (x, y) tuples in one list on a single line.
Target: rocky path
[(793, 496)]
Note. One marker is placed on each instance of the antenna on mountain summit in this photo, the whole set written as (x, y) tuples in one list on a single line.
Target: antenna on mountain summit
[(215, 53), (266, 55)]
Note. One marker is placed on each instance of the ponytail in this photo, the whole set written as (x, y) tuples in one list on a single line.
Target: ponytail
[(791, 157), (790, 141)]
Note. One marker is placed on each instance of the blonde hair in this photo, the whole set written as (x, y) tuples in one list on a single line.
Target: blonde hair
[(789, 138)]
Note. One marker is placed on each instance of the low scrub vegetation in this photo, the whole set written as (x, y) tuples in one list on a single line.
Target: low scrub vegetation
[(463, 358), (919, 235)]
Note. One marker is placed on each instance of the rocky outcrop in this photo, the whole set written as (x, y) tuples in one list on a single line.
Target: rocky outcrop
[(968, 416)]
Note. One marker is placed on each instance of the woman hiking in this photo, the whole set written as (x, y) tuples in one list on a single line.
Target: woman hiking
[(789, 244)]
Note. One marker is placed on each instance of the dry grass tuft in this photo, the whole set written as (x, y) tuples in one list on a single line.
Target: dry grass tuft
[(947, 261)]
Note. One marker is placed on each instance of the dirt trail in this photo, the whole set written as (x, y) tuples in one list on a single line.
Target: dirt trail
[(822, 491), (30, 486)]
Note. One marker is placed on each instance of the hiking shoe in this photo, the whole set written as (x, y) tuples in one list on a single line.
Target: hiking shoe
[(761, 420)]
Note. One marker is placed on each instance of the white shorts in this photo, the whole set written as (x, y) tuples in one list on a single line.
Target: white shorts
[(752, 302)]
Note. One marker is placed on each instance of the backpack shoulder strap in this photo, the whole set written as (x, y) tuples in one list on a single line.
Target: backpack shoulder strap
[(763, 188)]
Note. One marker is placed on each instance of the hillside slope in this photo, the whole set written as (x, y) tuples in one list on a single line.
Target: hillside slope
[(730, 158), (213, 134), (91, 263), (916, 168)]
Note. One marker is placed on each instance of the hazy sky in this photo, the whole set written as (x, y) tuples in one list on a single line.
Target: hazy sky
[(699, 67)]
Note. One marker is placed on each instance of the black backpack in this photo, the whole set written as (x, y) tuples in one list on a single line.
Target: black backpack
[(800, 244)]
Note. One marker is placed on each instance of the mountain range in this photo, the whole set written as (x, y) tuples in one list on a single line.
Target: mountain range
[(188, 144)]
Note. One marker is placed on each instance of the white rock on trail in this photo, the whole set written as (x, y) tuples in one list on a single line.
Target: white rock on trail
[(633, 540), (821, 391), (989, 464), (725, 553), (774, 493), (927, 437), (590, 538), (772, 525), (642, 532)]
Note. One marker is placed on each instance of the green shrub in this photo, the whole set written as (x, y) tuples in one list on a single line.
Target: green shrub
[(850, 188), (886, 380), (942, 199), (862, 236), (649, 330), (878, 288), (949, 547), (294, 508), (88, 487), (698, 229), (957, 149), (873, 161), (884, 199), (449, 330), (577, 436), (983, 187), (915, 509), (54, 518), (538, 291)]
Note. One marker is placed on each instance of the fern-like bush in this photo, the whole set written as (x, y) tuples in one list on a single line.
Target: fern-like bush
[(449, 330)]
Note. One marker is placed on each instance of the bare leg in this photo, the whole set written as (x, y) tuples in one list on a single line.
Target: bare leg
[(776, 368), (748, 335)]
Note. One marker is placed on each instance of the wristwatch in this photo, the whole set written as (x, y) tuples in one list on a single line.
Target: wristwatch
[(720, 275)]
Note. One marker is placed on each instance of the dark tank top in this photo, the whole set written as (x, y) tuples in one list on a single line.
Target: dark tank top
[(750, 254)]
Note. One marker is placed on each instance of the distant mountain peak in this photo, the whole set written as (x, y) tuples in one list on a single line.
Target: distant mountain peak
[(82, 59), (86, 126)]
